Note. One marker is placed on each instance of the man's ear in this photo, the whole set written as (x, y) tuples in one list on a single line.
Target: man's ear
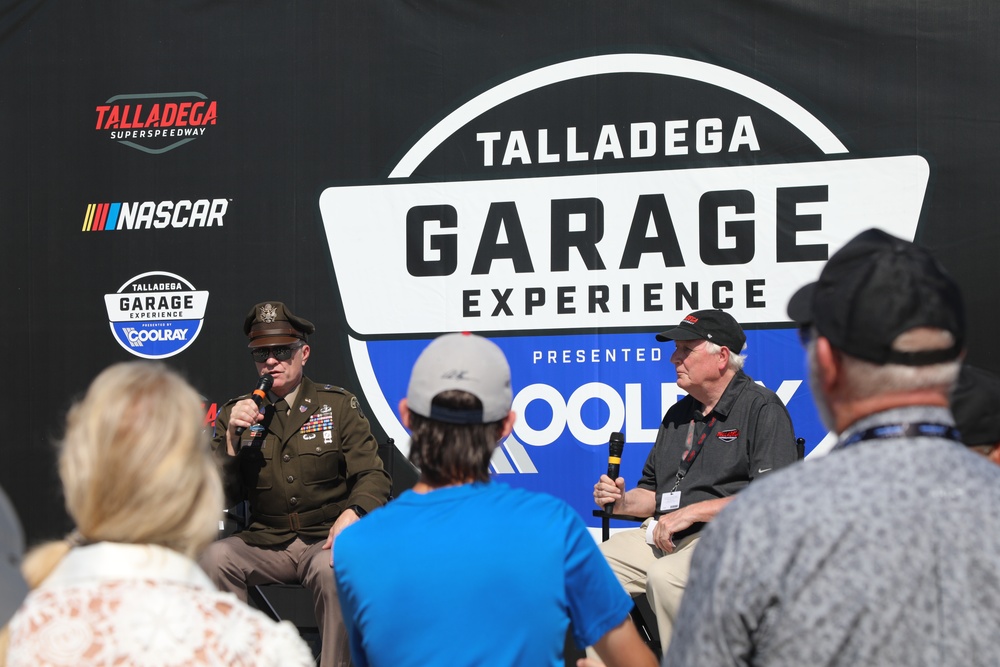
[(828, 364), (724, 354), (404, 413), (507, 426), (995, 454)]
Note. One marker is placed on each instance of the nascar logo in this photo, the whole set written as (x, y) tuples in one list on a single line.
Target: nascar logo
[(116, 216)]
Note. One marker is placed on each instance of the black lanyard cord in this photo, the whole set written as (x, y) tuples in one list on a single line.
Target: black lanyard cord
[(919, 429), (692, 450)]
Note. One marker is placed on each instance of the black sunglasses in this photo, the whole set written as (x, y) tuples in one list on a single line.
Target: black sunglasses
[(279, 352)]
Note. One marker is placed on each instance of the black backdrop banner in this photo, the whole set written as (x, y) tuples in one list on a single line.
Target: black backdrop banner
[(565, 176)]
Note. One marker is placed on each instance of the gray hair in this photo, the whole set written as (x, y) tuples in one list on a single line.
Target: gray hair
[(864, 379), (736, 361)]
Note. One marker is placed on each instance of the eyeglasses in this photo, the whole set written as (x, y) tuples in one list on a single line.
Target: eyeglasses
[(279, 352)]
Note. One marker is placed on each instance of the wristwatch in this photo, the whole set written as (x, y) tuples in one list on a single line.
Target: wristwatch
[(359, 510)]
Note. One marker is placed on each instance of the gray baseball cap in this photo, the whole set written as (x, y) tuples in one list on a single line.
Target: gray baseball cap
[(465, 362), (12, 585)]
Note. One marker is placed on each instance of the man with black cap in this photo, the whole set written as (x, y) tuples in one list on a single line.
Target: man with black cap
[(304, 457), (727, 432), (886, 551), (464, 571)]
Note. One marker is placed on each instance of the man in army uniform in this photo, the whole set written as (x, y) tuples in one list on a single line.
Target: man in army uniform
[(306, 461)]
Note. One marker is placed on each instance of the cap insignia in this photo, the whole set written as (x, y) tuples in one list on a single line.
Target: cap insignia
[(268, 313)]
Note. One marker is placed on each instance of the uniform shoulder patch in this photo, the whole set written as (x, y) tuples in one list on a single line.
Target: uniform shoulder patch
[(239, 398), (355, 405)]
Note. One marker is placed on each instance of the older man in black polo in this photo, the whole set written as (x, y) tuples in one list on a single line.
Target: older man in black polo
[(727, 432), (305, 459)]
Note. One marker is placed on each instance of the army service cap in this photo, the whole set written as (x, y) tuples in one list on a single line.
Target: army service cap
[(272, 323)]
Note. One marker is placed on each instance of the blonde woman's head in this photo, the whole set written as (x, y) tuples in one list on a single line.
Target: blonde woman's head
[(135, 462)]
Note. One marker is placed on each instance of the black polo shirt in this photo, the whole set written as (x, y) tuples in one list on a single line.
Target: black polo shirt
[(751, 437)]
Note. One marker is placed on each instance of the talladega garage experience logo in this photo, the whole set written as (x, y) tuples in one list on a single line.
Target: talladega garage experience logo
[(156, 315), (573, 211)]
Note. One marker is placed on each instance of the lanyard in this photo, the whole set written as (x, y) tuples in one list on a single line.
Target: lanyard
[(691, 451), (925, 429)]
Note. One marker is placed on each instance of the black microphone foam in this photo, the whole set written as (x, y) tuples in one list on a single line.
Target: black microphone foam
[(258, 395), (615, 446)]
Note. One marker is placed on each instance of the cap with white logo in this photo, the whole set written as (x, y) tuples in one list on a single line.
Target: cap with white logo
[(464, 362)]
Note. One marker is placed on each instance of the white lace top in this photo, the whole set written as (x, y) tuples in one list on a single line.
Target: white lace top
[(122, 604)]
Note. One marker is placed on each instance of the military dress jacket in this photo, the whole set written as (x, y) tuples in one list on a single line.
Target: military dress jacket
[(298, 477)]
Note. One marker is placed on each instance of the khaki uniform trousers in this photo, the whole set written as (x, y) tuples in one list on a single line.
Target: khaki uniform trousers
[(643, 568), (233, 565)]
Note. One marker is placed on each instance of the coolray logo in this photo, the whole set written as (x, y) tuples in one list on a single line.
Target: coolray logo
[(115, 216), (156, 315), (575, 389), (156, 122), (720, 192)]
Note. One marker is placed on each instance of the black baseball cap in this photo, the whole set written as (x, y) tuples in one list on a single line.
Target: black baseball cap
[(976, 406), (875, 288), (716, 326)]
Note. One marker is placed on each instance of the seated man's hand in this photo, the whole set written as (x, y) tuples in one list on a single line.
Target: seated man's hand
[(684, 518), (668, 524), (608, 491), (244, 414), (346, 518)]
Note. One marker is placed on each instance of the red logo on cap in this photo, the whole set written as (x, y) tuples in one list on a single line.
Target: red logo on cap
[(728, 436), (692, 319)]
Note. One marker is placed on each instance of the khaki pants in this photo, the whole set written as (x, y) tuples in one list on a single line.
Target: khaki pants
[(642, 568), (234, 565)]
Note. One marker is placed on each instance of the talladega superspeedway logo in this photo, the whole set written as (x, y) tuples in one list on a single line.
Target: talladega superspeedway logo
[(156, 122), (665, 186), (156, 315)]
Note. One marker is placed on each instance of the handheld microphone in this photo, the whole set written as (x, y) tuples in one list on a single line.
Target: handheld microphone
[(615, 446), (258, 396)]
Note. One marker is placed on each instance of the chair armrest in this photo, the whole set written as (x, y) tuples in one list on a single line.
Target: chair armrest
[(606, 521)]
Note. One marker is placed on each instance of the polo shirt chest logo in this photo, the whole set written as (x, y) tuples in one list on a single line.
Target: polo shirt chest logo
[(728, 436)]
